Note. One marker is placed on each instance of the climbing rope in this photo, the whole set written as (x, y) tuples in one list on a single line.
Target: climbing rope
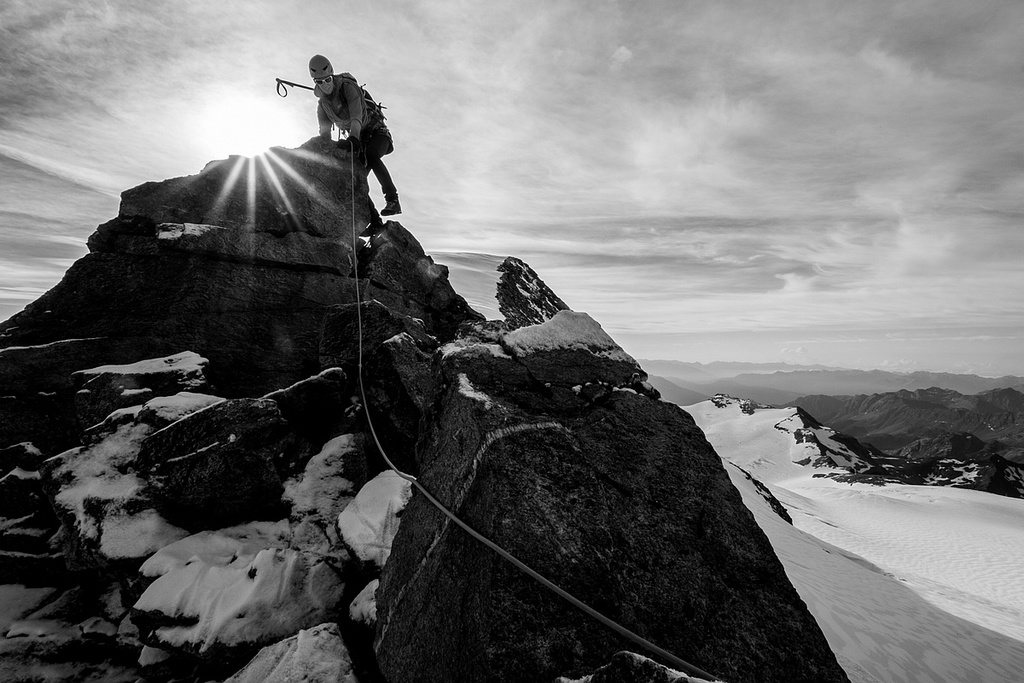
[(618, 628)]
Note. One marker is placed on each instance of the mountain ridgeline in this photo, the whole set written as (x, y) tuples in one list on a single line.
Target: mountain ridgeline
[(889, 411), (779, 383), (893, 420), (195, 428)]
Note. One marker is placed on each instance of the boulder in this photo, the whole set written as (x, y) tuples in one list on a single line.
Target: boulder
[(109, 518), (523, 298), (317, 654), (104, 389), (108, 513), (217, 467), (616, 497)]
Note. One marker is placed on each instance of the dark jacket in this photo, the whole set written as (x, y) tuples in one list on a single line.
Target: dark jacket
[(344, 108)]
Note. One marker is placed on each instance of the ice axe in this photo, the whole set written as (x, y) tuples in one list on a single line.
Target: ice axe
[(282, 87)]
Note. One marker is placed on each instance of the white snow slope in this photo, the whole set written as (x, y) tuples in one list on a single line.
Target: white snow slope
[(908, 583)]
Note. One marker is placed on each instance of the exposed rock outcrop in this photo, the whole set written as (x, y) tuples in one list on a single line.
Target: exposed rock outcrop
[(956, 459), (523, 298), (615, 496), (237, 264)]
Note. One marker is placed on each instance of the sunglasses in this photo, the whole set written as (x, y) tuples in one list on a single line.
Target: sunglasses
[(321, 81)]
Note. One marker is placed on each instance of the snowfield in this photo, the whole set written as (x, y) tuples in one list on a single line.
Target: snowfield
[(908, 583)]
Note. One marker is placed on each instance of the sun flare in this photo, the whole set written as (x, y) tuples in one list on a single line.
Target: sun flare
[(249, 125)]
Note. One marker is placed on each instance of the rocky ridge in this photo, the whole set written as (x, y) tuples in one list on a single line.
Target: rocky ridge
[(194, 478)]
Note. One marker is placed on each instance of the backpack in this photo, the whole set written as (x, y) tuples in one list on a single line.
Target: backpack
[(374, 113)]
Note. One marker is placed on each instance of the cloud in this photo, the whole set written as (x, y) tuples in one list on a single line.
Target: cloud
[(718, 166), (620, 58)]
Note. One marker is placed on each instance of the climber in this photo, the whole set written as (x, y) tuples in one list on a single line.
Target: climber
[(342, 104)]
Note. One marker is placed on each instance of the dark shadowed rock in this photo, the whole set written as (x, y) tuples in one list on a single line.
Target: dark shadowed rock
[(21, 494), (399, 381), (340, 336), (523, 298), (396, 356), (27, 521), (32, 569), (217, 467), (22, 455), (315, 408), (37, 402), (406, 280), (282, 191), (616, 497)]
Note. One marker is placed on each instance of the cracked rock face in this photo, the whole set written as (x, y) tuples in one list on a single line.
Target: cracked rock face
[(614, 495)]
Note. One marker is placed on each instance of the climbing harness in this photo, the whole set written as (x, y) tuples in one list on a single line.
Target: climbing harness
[(618, 628)]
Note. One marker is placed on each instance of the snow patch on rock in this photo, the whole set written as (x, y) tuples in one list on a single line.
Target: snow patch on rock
[(369, 523), (320, 485), (363, 609), (316, 655), (467, 389), (241, 599), (566, 330), (186, 363), (107, 505)]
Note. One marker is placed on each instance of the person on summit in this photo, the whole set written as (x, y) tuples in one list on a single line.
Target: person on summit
[(342, 105)]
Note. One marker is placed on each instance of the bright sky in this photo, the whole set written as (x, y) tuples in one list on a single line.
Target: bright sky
[(830, 181)]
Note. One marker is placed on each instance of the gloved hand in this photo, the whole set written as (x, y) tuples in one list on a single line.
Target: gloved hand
[(351, 144)]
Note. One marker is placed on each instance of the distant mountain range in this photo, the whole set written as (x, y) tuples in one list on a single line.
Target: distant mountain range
[(888, 410), (959, 459), (779, 383)]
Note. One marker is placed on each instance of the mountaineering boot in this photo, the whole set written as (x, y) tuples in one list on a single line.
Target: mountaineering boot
[(391, 208)]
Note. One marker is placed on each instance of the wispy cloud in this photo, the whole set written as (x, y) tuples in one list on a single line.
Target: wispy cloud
[(714, 166)]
